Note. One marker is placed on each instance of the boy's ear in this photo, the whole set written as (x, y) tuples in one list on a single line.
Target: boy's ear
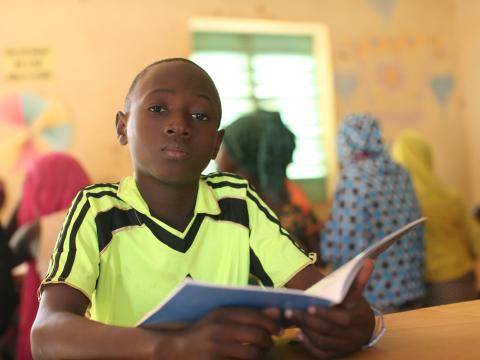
[(121, 126), (218, 142)]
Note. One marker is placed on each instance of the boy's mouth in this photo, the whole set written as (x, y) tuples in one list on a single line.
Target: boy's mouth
[(175, 152)]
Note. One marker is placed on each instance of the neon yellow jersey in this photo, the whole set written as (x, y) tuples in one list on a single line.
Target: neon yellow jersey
[(126, 262)]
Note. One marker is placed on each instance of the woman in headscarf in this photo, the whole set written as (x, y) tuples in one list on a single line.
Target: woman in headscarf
[(258, 147), (50, 185), (452, 240), (373, 198)]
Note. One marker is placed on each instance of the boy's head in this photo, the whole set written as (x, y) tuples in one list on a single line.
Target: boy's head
[(170, 121), (142, 73)]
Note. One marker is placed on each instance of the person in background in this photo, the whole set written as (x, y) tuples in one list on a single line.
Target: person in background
[(258, 146), (373, 198), (452, 239), (476, 213), (8, 298), (50, 185)]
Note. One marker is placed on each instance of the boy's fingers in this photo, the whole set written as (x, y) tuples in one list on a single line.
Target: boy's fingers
[(272, 313), (356, 291), (245, 334), (247, 317), (303, 320), (315, 351), (327, 343), (328, 321)]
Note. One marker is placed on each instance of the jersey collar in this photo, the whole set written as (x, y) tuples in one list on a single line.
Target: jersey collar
[(206, 202)]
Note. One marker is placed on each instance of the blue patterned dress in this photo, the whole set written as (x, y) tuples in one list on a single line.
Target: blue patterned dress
[(373, 198)]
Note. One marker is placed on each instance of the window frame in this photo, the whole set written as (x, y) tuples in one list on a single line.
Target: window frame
[(322, 54)]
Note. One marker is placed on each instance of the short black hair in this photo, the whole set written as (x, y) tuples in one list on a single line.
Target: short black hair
[(142, 73)]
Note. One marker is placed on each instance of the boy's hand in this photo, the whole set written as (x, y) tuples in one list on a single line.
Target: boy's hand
[(228, 333), (332, 332)]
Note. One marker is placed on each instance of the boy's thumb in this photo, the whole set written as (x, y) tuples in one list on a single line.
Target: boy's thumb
[(356, 291)]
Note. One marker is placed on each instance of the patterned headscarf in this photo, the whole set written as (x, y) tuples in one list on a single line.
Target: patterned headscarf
[(374, 197), (359, 137), (260, 144)]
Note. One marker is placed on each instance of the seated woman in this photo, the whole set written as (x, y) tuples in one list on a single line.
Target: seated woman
[(7, 290), (50, 185), (258, 147), (373, 198), (452, 239)]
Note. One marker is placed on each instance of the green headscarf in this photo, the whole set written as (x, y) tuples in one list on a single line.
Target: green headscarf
[(260, 144)]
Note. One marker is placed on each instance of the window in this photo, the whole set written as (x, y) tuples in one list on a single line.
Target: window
[(275, 72)]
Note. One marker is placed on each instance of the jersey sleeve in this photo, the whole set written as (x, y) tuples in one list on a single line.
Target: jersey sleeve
[(274, 256), (75, 258)]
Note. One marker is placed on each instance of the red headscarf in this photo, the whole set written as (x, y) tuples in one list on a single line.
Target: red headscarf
[(50, 185)]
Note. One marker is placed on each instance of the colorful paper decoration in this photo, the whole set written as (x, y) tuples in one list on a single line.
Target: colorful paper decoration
[(30, 125), (346, 84), (442, 86), (383, 7)]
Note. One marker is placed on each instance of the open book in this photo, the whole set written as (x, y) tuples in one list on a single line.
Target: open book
[(192, 300)]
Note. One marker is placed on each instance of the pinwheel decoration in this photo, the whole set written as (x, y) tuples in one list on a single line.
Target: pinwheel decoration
[(31, 125)]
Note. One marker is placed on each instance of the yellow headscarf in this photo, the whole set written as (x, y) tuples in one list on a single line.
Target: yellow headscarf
[(451, 237)]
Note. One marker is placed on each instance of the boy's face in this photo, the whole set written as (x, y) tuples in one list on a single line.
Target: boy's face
[(172, 124)]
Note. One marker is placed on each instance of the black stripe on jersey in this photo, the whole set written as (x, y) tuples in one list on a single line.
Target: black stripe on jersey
[(220, 184), (111, 220), (258, 271), (176, 243), (72, 247), (234, 210), (59, 246), (99, 185), (223, 174), (115, 219), (72, 250), (274, 220)]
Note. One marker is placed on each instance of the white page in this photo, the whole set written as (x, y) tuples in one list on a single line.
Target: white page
[(335, 286)]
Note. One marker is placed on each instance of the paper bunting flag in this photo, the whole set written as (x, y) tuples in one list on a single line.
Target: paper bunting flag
[(346, 84), (383, 7), (442, 86), (30, 125)]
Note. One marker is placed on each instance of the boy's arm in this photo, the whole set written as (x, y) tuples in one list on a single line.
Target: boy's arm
[(334, 332), (61, 331)]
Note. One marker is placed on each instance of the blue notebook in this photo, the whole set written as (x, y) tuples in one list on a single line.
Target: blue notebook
[(192, 300)]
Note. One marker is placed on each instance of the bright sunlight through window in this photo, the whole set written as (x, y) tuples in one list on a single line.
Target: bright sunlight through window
[(270, 72)]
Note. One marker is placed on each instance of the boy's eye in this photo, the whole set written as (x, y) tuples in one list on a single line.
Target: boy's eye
[(200, 116), (156, 108)]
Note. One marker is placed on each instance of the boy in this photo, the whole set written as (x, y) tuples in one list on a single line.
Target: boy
[(125, 246)]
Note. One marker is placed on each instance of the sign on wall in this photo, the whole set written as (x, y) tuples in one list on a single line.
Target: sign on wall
[(27, 63)]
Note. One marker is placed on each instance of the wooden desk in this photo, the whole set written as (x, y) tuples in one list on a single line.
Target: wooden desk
[(440, 332)]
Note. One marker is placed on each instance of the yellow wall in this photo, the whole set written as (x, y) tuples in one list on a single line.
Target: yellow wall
[(469, 50), (99, 45)]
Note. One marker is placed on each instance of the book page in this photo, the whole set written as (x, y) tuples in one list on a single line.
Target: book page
[(335, 286)]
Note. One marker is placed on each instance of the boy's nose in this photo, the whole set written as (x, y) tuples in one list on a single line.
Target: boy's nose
[(178, 126)]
